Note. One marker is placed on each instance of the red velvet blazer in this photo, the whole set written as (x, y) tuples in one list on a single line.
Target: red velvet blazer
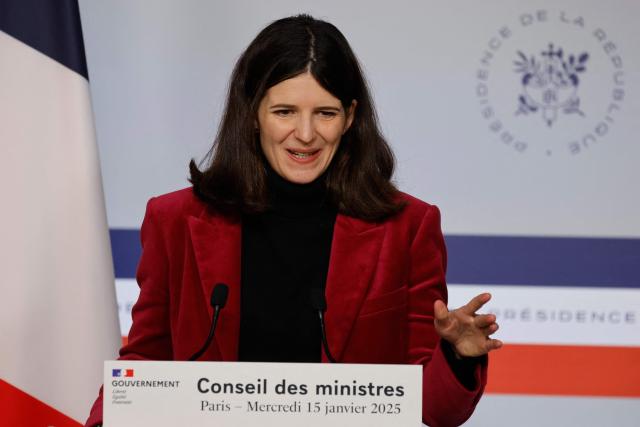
[(382, 282)]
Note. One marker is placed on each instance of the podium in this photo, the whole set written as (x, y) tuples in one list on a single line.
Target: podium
[(247, 394)]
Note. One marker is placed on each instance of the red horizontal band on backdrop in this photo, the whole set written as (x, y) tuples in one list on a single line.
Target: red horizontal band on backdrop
[(18, 408), (565, 370)]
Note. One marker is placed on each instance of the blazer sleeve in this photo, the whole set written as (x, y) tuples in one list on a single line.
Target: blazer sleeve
[(149, 337), (445, 401)]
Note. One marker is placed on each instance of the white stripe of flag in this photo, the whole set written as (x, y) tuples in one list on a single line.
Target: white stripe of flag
[(58, 315)]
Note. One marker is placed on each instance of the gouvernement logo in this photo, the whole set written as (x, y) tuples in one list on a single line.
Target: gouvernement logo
[(550, 83)]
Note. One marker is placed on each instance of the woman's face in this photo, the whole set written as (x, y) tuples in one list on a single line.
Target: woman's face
[(300, 126)]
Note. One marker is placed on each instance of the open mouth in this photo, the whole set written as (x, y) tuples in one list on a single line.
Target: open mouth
[(302, 155)]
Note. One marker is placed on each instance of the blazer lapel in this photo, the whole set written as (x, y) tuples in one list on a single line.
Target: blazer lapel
[(216, 244), (354, 254)]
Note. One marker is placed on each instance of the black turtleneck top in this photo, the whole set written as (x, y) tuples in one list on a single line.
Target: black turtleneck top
[(285, 253)]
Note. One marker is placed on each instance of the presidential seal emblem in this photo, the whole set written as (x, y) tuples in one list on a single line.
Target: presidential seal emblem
[(550, 83)]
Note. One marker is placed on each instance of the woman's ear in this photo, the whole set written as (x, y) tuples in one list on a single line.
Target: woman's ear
[(351, 113)]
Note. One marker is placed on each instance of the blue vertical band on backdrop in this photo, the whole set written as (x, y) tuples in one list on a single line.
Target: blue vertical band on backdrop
[(126, 250), (494, 260)]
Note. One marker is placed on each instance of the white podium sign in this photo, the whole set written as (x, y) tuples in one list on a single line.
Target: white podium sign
[(230, 394)]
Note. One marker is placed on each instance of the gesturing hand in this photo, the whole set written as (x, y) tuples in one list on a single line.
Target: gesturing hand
[(467, 331)]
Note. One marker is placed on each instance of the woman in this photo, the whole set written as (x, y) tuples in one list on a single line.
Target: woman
[(297, 197)]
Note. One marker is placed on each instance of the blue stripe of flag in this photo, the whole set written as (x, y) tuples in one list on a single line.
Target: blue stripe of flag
[(495, 260), (50, 26)]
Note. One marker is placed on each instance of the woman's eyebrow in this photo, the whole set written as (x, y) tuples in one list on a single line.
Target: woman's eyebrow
[(293, 107), (289, 106)]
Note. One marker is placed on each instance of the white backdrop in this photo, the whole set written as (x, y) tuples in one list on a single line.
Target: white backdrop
[(443, 75)]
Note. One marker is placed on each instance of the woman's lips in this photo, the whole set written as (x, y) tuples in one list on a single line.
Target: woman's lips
[(305, 156)]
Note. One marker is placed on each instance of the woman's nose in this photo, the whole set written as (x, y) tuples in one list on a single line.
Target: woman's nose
[(304, 131)]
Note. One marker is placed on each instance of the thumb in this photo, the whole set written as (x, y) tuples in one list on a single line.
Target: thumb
[(440, 311)]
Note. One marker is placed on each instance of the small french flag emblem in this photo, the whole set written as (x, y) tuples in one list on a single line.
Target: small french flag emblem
[(122, 372)]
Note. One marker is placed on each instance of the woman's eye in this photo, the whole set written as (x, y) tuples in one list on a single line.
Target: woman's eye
[(283, 113), (328, 114)]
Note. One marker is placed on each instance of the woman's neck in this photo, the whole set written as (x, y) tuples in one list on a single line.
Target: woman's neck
[(295, 200)]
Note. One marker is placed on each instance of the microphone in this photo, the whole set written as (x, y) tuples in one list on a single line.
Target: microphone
[(319, 303), (218, 300)]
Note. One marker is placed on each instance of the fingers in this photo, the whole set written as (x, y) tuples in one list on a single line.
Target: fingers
[(491, 329), (472, 336), (484, 320), (493, 344), (476, 303)]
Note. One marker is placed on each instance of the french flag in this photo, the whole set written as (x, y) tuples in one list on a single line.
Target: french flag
[(119, 373), (58, 313)]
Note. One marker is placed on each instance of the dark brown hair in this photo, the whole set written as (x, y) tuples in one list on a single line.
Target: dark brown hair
[(358, 179)]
